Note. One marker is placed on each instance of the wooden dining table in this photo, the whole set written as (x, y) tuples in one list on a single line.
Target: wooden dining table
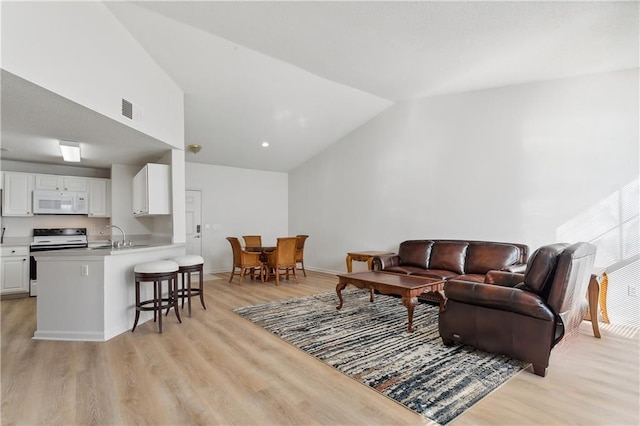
[(263, 250)]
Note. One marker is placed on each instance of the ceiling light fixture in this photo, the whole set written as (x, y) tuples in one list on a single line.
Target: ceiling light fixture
[(195, 148), (265, 144), (70, 151)]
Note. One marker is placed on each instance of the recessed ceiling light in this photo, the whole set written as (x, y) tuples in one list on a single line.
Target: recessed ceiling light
[(70, 151), (265, 144)]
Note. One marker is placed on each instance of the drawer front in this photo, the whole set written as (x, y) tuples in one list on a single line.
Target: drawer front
[(15, 251)]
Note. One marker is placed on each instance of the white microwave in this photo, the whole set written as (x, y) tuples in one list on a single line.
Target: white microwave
[(59, 202)]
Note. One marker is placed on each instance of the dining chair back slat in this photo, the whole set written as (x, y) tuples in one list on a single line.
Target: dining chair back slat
[(252, 240)]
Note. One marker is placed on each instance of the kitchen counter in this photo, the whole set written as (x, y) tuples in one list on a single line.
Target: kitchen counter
[(88, 294), (104, 250)]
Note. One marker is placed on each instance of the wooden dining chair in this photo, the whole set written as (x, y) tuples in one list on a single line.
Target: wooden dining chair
[(252, 240), (283, 258), (300, 251), (245, 261)]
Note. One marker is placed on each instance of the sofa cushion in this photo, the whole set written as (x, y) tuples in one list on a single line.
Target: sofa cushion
[(476, 278), (403, 269), (448, 256), (434, 273), (415, 253), (483, 257)]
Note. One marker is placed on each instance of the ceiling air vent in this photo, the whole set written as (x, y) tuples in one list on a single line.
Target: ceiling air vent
[(127, 109)]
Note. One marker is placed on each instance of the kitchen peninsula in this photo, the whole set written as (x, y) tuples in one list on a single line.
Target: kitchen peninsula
[(87, 294)]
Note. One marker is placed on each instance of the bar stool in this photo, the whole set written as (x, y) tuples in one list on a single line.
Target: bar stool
[(157, 272), (190, 264)]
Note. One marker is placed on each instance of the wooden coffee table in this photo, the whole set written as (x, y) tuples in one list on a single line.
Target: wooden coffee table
[(408, 287)]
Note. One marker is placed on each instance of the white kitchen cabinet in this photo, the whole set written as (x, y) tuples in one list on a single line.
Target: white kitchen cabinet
[(15, 270), (152, 190), (99, 198), (17, 199), (49, 182), (76, 184), (61, 183)]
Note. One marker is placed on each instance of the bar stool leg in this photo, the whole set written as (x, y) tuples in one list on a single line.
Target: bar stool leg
[(201, 287), (183, 288), (174, 295), (155, 303), (188, 291), (158, 302), (135, 322)]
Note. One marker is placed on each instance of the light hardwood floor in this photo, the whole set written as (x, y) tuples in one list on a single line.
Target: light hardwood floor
[(217, 368)]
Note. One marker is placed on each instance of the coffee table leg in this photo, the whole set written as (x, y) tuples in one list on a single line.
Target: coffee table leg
[(371, 296), (410, 303), (339, 289)]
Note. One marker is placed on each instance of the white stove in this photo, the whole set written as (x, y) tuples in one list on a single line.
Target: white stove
[(53, 239)]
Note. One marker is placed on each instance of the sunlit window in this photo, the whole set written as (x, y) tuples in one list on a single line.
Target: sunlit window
[(613, 226)]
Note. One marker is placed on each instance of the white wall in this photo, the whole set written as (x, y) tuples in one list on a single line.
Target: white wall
[(237, 202), (174, 225), (20, 229), (80, 51), (506, 164)]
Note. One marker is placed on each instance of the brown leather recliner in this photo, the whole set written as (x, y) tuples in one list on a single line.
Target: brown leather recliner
[(521, 316)]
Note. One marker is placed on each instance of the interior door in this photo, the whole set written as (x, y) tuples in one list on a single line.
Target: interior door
[(193, 220)]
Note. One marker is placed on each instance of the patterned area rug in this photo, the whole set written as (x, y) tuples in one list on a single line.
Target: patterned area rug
[(369, 342)]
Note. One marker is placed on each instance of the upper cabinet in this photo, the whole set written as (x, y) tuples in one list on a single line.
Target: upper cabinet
[(152, 190), (61, 183), (99, 197), (16, 196)]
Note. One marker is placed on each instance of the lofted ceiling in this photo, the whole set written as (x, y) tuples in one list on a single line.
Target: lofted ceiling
[(34, 120), (301, 75)]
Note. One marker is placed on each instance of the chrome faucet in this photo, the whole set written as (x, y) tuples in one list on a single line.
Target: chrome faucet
[(124, 240)]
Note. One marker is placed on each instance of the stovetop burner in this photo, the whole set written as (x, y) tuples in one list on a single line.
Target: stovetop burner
[(58, 238)]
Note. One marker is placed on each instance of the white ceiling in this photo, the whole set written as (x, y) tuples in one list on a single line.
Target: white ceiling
[(303, 74), (34, 120)]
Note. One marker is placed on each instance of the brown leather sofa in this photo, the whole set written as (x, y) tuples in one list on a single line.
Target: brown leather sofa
[(449, 259), (525, 315)]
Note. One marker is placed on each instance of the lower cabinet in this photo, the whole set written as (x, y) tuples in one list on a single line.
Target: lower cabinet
[(15, 270)]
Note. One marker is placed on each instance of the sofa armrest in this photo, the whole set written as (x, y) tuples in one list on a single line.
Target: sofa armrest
[(380, 263), (518, 268), (503, 278), (496, 297)]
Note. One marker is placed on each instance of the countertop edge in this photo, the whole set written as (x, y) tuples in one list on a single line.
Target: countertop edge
[(96, 254)]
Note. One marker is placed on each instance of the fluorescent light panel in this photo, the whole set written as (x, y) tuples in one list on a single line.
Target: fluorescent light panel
[(70, 151)]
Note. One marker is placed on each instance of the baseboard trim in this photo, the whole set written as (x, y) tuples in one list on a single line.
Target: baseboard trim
[(10, 296)]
